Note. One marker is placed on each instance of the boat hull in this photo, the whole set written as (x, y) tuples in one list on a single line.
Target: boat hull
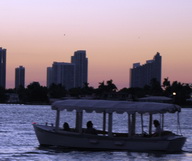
[(46, 135)]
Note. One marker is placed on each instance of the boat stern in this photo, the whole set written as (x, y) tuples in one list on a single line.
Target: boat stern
[(176, 143)]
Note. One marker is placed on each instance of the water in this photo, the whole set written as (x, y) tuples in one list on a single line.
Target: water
[(18, 141)]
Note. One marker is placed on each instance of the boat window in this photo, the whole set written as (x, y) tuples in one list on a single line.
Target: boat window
[(69, 117)]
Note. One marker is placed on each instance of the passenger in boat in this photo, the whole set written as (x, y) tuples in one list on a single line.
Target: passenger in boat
[(90, 129), (158, 129), (66, 126)]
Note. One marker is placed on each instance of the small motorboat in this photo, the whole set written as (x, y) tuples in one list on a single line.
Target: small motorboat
[(106, 138)]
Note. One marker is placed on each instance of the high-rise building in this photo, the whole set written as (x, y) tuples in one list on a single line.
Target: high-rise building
[(49, 76), (69, 75), (19, 77), (61, 73), (2, 68), (141, 75), (81, 67)]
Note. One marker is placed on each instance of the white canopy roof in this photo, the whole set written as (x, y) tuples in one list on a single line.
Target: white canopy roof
[(107, 106)]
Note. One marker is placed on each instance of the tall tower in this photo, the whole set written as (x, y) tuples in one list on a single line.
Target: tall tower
[(61, 73), (49, 77), (141, 75), (81, 67), (19, 77), (2, 68)]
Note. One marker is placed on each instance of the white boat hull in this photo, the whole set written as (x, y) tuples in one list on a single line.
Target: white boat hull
[(46, 135)]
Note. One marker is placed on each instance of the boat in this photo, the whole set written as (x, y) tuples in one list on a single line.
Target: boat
[(106, 138)]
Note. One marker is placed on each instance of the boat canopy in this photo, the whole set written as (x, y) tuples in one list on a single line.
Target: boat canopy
[(108, 106)]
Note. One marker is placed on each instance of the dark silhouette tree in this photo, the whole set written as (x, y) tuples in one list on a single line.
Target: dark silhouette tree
[(75, 92), (22, 92), (104, 90), (3, 97), (102, 86), (147, 90), (166, 83), (111, 87), (156, 89), (137, 93), (56, 91), (167, 87), (181, 92), (87, 90), (36, 93), (101, 89)]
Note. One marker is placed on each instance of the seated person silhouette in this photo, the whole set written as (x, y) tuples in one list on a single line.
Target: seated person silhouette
[(90, 129), (66, 126), (158, 129)]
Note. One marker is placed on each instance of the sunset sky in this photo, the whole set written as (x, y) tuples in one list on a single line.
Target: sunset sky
[(115, 34)]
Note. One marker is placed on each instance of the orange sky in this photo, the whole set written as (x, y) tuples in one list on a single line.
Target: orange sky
[(115, 34)]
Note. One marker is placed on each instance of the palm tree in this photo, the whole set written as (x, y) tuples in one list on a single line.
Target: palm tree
[(111, 87)]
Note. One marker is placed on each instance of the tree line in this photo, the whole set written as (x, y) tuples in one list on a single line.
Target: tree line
[(34, 93)]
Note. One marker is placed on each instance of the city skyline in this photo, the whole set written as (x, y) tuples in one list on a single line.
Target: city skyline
[(115, 35), (69, 75)]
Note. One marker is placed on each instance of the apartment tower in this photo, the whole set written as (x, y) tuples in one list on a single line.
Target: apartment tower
[(81, 67), (141, 75), (61, 73), (19, 77), (2, 68)]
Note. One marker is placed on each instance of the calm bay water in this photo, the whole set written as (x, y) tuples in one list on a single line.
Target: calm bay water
[(19, 143)]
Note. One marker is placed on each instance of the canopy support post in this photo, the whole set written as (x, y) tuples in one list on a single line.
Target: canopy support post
[(133, 123), (129, 124), (142, 129), (104, 122), (57, 120), (178, 124), (150, 123), (162, 123), (110, 124), (79, 120)]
